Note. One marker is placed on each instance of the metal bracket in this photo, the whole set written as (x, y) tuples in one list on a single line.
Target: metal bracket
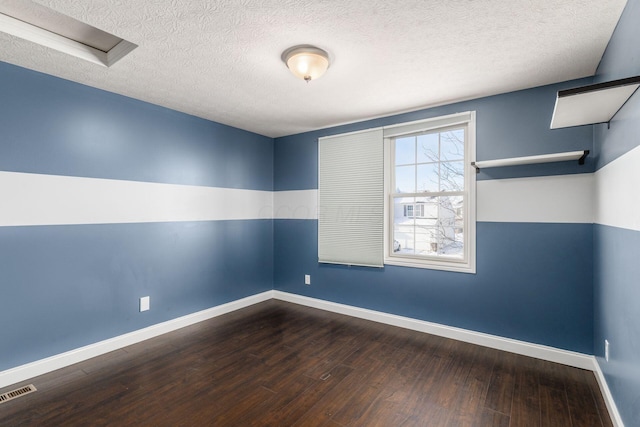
[(584, 156)]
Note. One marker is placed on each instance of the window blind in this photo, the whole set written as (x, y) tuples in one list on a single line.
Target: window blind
[(351, 198)]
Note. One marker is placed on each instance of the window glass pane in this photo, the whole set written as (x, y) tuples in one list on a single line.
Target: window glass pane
[(403, 225), (426, 225), (408, 211), (428, 177), (429, 208), (405, 179), (450, 226), (452, 145), (451, 176), (428, 148), (405, 151)]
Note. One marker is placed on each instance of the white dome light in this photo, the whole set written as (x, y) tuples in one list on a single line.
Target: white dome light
[(306, 62)]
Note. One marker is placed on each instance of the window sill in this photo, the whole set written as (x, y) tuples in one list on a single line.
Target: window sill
[(431, 265)]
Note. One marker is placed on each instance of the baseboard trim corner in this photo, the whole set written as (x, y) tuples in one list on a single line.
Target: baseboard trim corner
[(49, 364), (565, 357), (616, 419)]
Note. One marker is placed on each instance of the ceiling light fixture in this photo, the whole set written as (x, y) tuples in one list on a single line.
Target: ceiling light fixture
[(306, 62)]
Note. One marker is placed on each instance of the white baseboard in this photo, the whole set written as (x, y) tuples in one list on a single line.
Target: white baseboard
[(39, 367), (566, 357), (606, 393)]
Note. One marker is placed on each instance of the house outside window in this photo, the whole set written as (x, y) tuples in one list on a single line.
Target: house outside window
[(411, 210)]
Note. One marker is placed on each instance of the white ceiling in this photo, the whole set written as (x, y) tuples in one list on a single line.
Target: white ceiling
[(220, 60)]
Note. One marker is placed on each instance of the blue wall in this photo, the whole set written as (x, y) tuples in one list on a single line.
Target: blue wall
[(510, 125), (533, 281), (73, 285), (81, 283), (54, 126), (617, 249)]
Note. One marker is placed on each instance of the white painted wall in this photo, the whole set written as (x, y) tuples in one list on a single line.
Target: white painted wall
[(36, 199), (617, 192)]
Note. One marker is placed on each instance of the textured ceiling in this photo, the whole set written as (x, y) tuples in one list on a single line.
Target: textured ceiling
[(220, 60)]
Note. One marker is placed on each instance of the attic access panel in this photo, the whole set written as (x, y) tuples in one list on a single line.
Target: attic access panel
[(39, 24)]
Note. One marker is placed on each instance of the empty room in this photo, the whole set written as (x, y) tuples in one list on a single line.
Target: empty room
[(328, 213)]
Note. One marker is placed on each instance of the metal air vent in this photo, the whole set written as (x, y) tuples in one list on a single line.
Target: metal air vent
[(17, 393)]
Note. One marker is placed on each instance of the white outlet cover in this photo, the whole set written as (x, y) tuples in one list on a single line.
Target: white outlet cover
[(144, 304), (307, 279)]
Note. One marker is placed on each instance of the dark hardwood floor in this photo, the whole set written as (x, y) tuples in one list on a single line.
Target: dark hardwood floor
[(279, 364)]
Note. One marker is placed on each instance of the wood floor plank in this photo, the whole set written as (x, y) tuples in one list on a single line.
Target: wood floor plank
[(302, 404), (329, 405), (280, 364), (396, 389), (368, 393), (601, 406), (554, 407), (470, 400), (502, 383), (490, 418), (525, 406), (582, 405)]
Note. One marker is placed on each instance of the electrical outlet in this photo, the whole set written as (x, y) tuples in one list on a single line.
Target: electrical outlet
[(144, 304), (606, 350), (307, 279)]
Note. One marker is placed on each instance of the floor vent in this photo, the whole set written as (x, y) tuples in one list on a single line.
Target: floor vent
[(17, 393)]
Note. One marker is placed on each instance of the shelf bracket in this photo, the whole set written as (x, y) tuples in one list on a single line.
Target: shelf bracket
[(584, 156)]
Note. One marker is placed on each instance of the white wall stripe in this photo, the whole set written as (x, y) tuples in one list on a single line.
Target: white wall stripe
[(546, 199), (557, 199), (299, 204), (35, 199), (617, 192)]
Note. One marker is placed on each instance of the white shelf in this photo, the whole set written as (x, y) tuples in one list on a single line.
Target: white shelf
[(592, 104), (529, 160)]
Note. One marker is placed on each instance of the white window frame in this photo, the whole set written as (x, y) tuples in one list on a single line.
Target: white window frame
[(468, 262)]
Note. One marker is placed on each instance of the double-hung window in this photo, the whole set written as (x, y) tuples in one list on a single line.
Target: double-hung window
[(430, 193), (399, 195)]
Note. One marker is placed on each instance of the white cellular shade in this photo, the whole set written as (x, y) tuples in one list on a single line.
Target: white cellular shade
[(351, 199)]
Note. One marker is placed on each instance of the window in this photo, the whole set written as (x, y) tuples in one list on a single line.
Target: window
[(430, 193), (399, 195)]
